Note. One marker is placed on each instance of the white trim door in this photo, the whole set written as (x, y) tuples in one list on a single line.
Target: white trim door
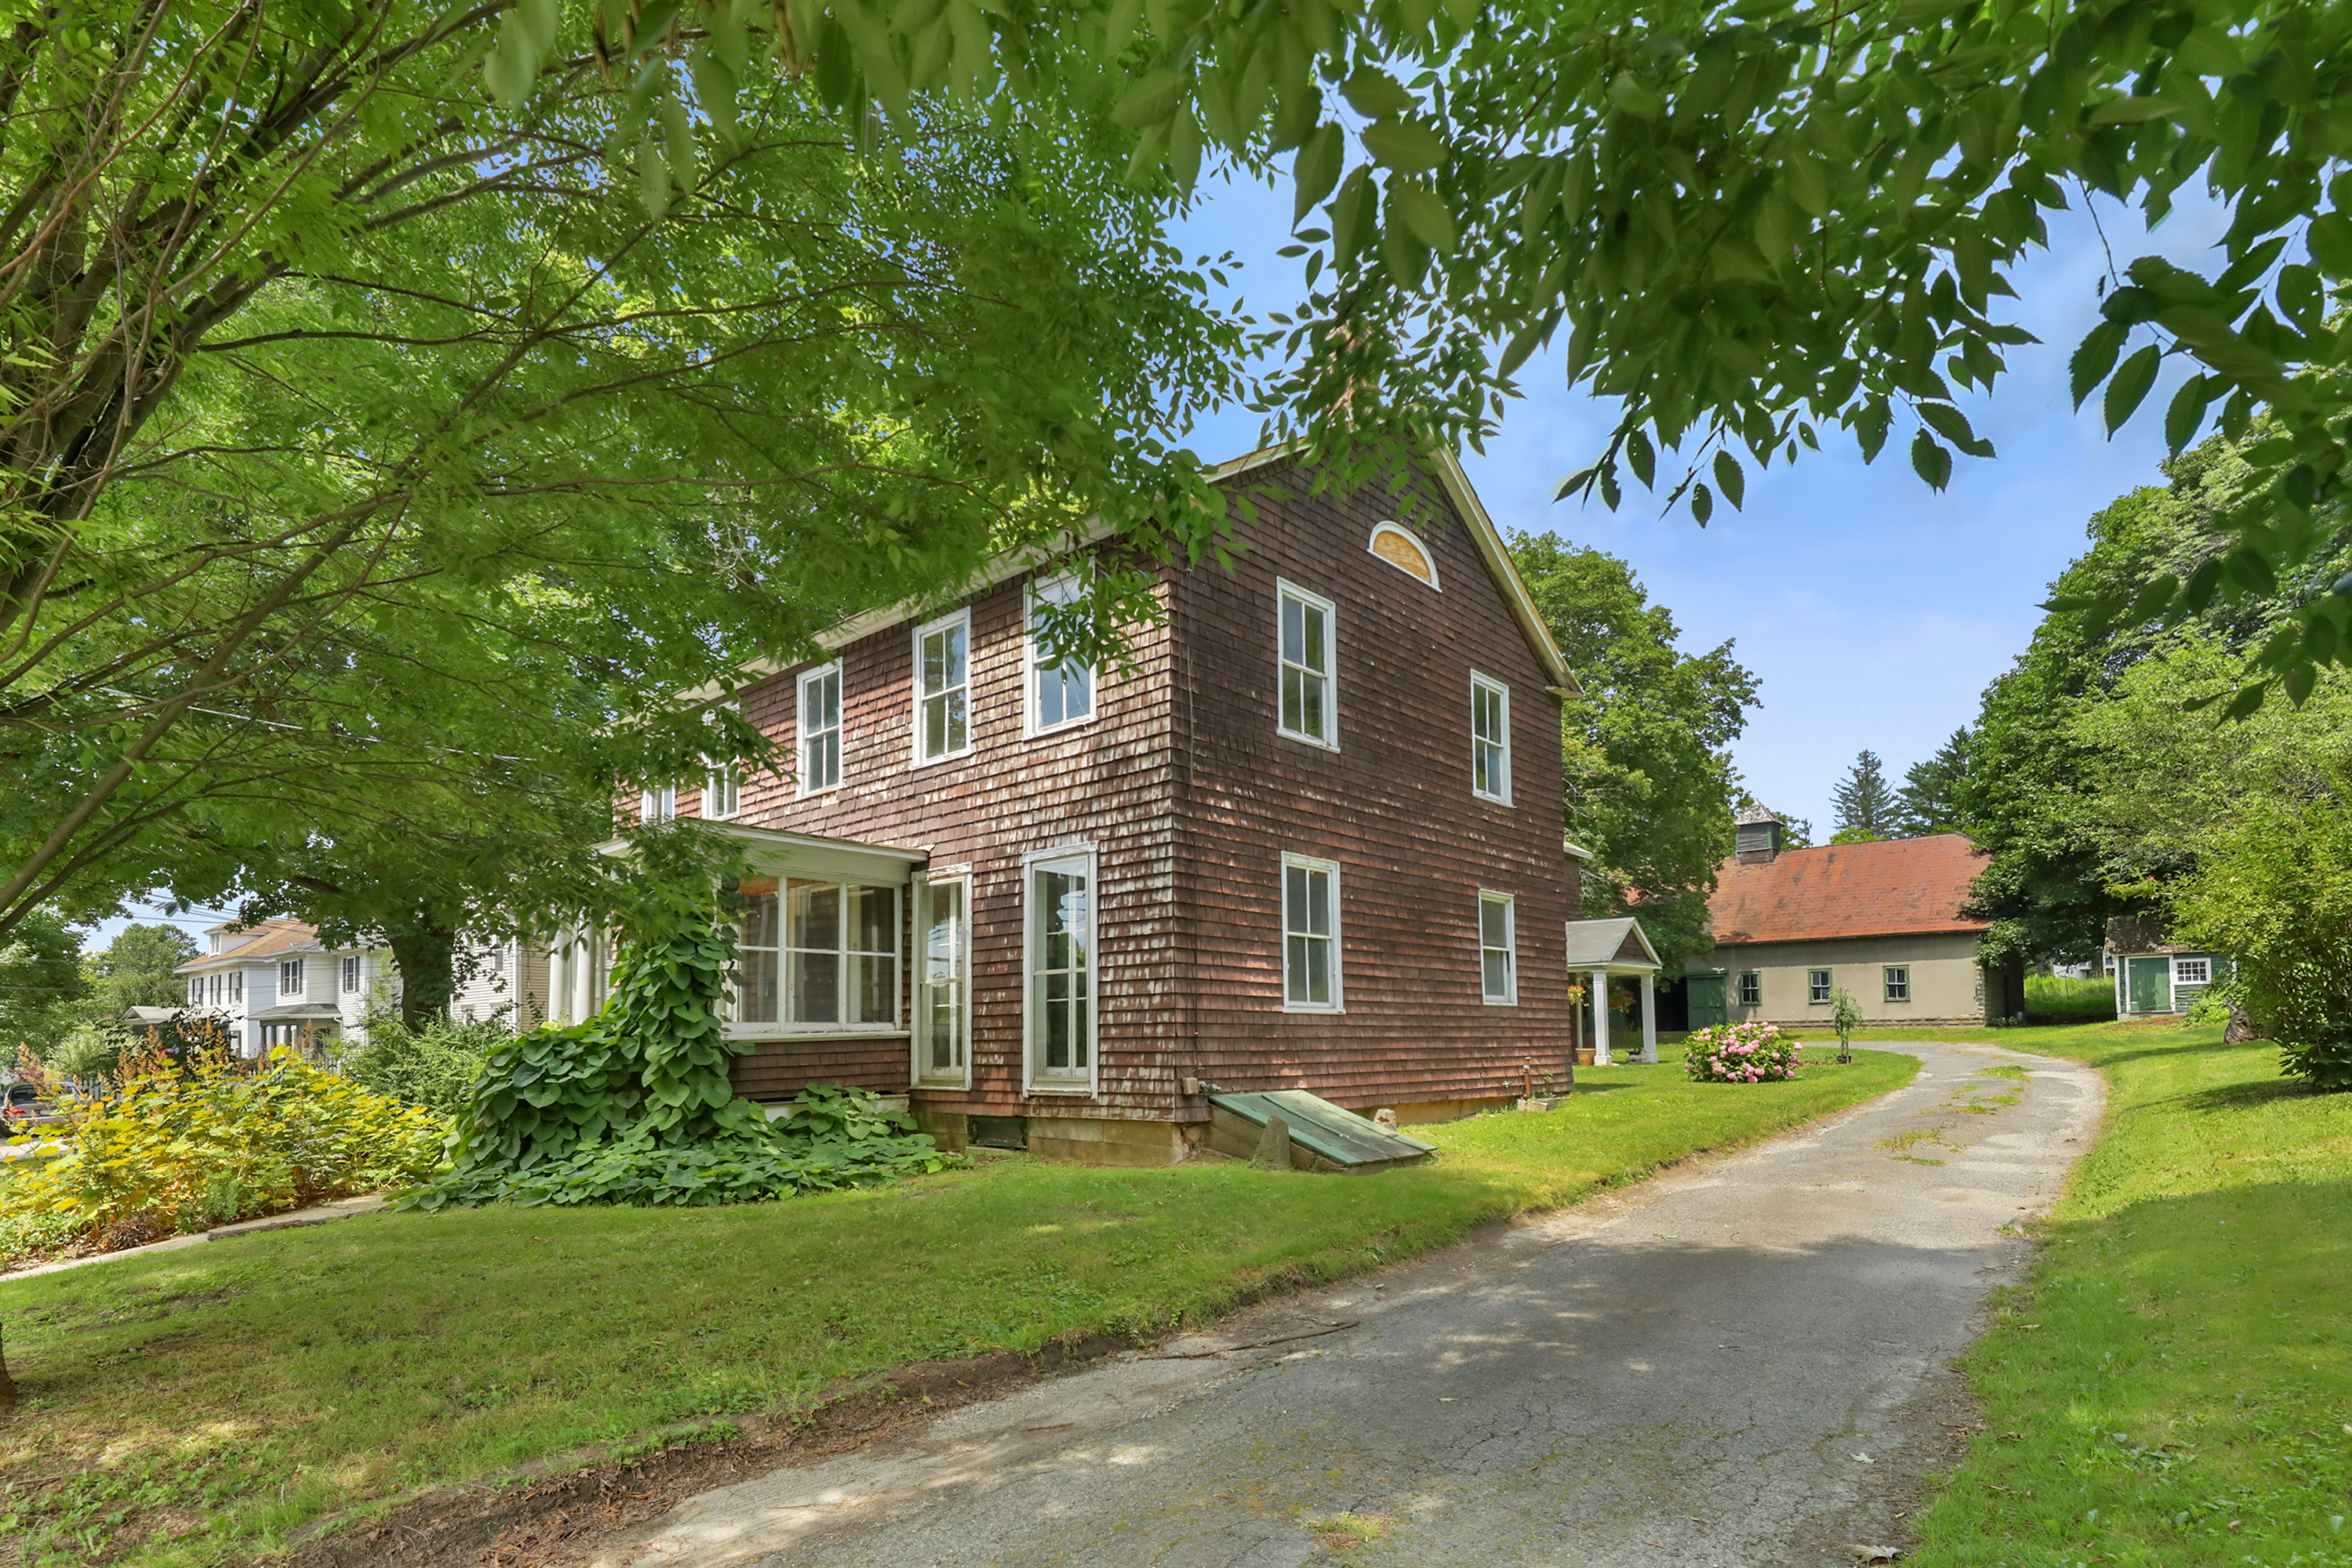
[(942, 999), (1060, 898)]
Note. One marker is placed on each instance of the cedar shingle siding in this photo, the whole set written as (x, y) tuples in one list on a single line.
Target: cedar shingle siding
[(1190, 798)]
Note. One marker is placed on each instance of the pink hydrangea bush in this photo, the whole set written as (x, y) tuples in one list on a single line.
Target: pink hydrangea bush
[(1740, 1053)]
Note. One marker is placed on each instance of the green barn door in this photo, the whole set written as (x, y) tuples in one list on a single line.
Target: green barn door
[(1706, 996), (2148, 985)]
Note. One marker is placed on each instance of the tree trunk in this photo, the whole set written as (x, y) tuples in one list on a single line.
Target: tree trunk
[(426, 951)]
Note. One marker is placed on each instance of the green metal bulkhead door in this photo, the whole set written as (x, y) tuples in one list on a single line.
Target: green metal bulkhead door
[(1705, 996), (2148, 984)]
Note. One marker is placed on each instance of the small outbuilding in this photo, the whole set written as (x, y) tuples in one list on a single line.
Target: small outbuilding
[(2154, 975), (1602, 953)]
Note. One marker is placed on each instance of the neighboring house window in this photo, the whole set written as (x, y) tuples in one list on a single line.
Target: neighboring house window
[(657, 804), (352, 973), (723, 793), (1309, 711), (820, 729), (1061, 939), (942, 989), (195, 990), (236, 985), (1400, 550), (494, 958), (1310, 935), (943, 688), (814, 955), (216, 989), (1898, 982), (1490, 739), (2191, 971), (1498, 966), (1059, 693), (289, 977), (1817, 985), (1751, 989)]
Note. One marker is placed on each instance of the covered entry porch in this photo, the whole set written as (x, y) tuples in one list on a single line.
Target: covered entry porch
[(1600, 950)]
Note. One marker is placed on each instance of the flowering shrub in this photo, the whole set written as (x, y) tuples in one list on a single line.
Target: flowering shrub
[(1740, 1053), (183, 1147)]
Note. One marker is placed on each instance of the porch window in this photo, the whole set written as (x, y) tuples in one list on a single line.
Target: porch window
[(815, 955), (1898, 982), (1751, 989), (1490, 739), (1308, 708), (943, 688), (820, 729), (289, 978), (1498, 949), (1310, 935), (1060, 692), (942, 996), (1061, 971), (1817, 986)]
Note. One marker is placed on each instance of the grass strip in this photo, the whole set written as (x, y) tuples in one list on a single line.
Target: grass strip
[(2173, 1386), (192, 1408)]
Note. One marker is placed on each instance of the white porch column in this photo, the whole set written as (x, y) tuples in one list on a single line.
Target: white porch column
[(1649, 1018), (1600, 1017)]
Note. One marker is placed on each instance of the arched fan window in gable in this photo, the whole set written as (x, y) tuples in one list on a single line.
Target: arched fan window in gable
[(1404, 552)]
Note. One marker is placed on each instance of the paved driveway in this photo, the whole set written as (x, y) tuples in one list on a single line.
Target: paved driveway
[(1706, 1370)]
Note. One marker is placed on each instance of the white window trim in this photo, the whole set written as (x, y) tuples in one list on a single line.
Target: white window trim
[(918, 1074), (1339, 1003), (1284, 588), (784, 1028), (1511, 904), (1029, 864), (1486, 682), (657, 804), (1030, 668), (916, 694), (711, 776), (800, 735), (1372, 548), (2181, 979), (301, 975)]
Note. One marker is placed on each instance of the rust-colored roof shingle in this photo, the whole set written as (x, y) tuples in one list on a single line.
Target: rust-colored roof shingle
[(1899, 887), (270, 936)]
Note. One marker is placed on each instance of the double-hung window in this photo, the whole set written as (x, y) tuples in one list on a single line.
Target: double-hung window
[(1490, 739), (1309, 711), (350, 972), (657, 804), (1897, 981), (1499, 950), (195, 990), (236, 985), (723, 793), (1061, 692), (1817, 986), (816, 956), (1310, 935), (289, 978), (943, 688), (1751, 988), (819, 718), (942, 981), (1060, 957)]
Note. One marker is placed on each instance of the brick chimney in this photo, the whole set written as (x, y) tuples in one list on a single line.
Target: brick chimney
[(1758, 840)]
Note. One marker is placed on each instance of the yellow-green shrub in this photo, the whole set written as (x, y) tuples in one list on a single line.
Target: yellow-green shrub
[(178, 1149)]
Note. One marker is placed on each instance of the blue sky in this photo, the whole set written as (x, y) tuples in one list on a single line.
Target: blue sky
[(1874, 610)]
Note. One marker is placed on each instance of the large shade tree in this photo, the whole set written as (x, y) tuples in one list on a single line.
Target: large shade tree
[(365, 440)]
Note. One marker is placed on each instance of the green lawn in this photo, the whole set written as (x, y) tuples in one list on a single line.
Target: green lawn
[(2174, 1387), (359, 1361)]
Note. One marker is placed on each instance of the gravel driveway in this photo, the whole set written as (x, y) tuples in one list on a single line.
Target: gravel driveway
[(1709, 1369)]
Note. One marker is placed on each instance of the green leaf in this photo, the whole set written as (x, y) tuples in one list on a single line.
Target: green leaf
[(2187, 412), (1636, 97), (1315, 168), (1732, 478), (2329, 240), (509, 69), (1642, 456), (2094, 357), (1929, 460), (2130, 385), (1953, 426), (1407, 146), (1702, 505), (2243, 705), (1423, 215), (2130, 111), (1151, 100), (1352, 214), (1802, 175), (653, 179), (1372, 93)]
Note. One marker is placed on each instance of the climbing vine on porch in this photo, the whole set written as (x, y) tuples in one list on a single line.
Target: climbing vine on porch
[(635, 1105)]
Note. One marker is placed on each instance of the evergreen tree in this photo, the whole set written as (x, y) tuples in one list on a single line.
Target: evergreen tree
[(1865, 804), (1929, 800)]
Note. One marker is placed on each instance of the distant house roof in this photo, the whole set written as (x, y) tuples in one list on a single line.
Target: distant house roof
[(1899, 887), (270, 938)]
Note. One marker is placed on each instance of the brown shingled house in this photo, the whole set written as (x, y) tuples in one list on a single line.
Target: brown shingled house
[(1880, 921)]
